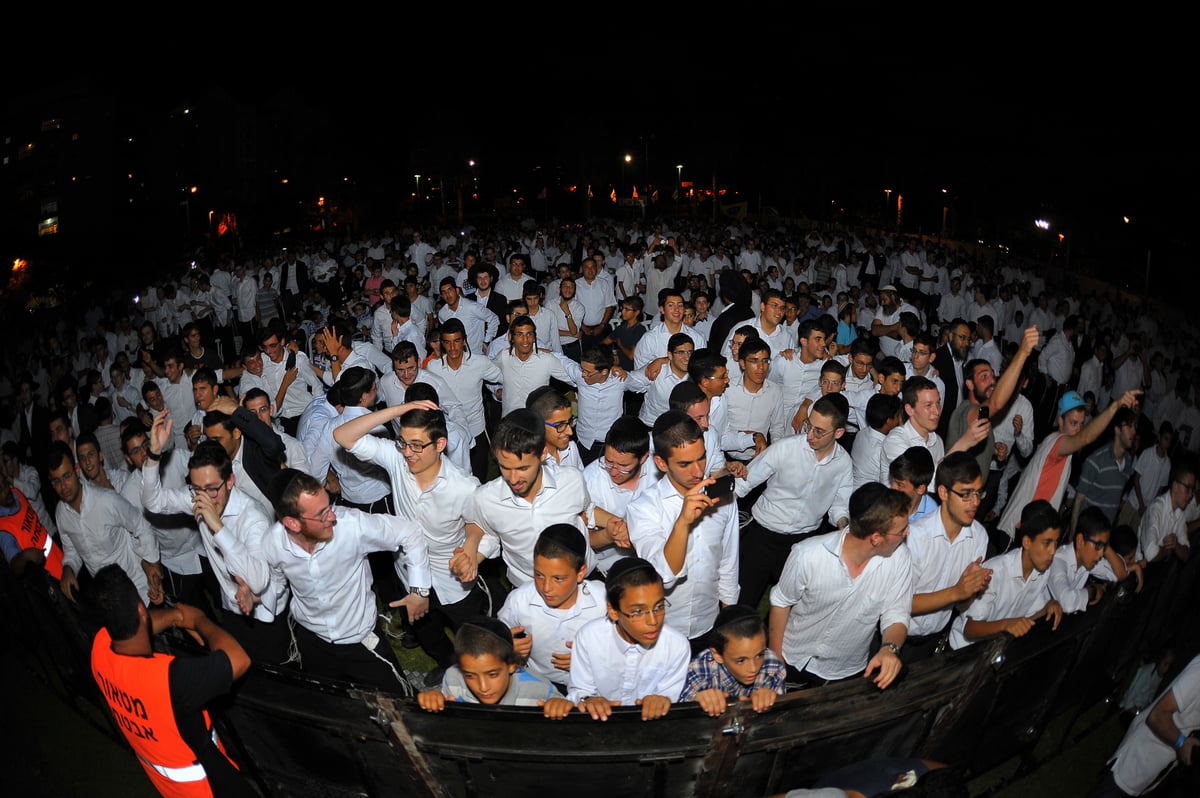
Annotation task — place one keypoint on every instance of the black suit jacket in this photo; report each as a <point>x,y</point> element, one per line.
<point>301,276</point>
<point>34,439</point>
<point>944,363</point>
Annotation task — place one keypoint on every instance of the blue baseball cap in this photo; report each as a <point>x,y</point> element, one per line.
<point>1070,400</point>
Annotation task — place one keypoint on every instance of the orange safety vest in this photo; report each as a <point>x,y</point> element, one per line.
<point>138,693</point>
<point>26,527</point>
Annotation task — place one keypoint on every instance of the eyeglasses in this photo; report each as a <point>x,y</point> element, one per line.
<point>561,426</point>
<point>320,517</point>
<point>683,352</point>
<point>1101,546</point>
<point>415,448</point>
<point>612,469</point>
<point>1189,489</point>
<point>587,375</point>
<point>831,383</point>
<point>969,495</point>
<point>213,492</point>
<point>65,478</point>
<point>816,433</point>
<point>658,609</point>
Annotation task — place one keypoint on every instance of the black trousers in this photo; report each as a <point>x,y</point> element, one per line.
<point>371,662</point>
<point>431,629</point>
<point>761,557</point>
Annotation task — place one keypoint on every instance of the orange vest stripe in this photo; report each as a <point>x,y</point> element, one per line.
<point>26,527</point>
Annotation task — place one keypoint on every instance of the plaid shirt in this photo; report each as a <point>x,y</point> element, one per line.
<point>705,673</point>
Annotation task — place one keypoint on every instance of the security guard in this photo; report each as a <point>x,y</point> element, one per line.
<point>157,699</point>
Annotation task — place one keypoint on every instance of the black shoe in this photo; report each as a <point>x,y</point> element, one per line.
<point>409,640</point>
<point>433,679</point>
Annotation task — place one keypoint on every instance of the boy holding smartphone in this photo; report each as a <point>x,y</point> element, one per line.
<point>689,537</point>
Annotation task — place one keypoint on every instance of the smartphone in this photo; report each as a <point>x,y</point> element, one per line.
<point>721,488</point>
<point>291,361</point>
<point>984,412</point>
<point>520,635</point>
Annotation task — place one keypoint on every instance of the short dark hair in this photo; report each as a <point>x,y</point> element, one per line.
<point>914,465</point>
<point>956,468</point>
<point>684,395</point>
<point>562,542</point>
<point>57,453</point>
<point>255,393</point>
<point>353,383</point>
<point>872,508</point>
<point>673,429</point>
<point>890,365</point>
<point>211,453</point>
<point>834,405</point>
<point>1093,521</point>
<point>403,350</point>
<point>1036,518</point>
<point>521,432</point>
<point>880,408</point>
<point>288,486</point>
<point>735,622</point>
<point>913,387</point>
<point>628,435</point>
<point>483,636</point>
<point>625,573</point>
<point>545,400</point>
<point>116,599</point>
<point>704,363</point>
<point>752,346</point>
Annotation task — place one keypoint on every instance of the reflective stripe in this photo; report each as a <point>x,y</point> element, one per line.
<point>189,773</point>
<point>48,546</point>
<point>194,772</point>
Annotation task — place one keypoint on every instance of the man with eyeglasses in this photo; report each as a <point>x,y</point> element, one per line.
<point>431,490</point>
<point>1163,532</point>
<point>690,538</point>
<point>1090,555</point>
<point>658,395</point>
<point>807,478</point>
<point>232,526</point>
<point>406,372</point>
<point>613,480</point>
<point>755,406</point>
<point>947,548</point>
<point>559,420</point>
<point>769,324</point>
<point>323,551</point>
<point>837,589</point>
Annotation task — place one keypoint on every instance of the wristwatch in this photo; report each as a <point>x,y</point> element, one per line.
<point>334,358</point>
<point>423,592</point>
<point>895,648</point>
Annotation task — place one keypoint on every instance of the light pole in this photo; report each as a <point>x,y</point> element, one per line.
<point>887,205</point>
<point>417,190</point>
<point>678,186</point>
<point>627,160</point>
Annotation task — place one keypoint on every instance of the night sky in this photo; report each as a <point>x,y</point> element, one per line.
<point>1012,136</point>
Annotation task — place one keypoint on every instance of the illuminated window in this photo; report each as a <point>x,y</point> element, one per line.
<point>51,124</point>
<point>48,227</point>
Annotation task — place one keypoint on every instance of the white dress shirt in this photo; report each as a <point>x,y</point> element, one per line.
<point>1009,595</point>
<point>1161,519</point>
<point>903,438</point>
<point>512,524</point>
<point>234,550</point>
<point>521,377</point>
<point>709,574</point>
<point>832,616</point>
<point>604,664</point>
<point>106,530</point>
<point>438,509</point>
<point>551,629</point>
<point>331,587</point>
<point>602,403</point>
<point>938,563</point>
<point>800,490</point>
<point>467,384</point>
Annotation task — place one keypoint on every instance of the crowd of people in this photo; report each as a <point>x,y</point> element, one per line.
<point>581,467</point>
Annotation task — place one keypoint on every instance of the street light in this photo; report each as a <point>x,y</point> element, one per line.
<point>417,191</point>
<point>627,160</point>
<point>887,205</point>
